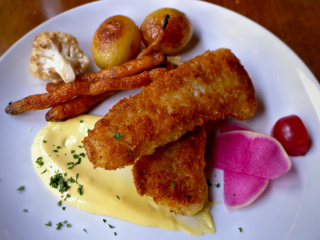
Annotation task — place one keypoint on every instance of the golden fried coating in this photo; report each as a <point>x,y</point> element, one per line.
<point>173,175</point>
<point>211,86</point>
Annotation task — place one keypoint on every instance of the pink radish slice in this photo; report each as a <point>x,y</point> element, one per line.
<point>249,152</point>
<point>229,126</point>
<point>240,190</point>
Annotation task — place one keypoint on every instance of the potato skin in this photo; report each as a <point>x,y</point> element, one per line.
<point>177,33</point>
<point>117,40</point>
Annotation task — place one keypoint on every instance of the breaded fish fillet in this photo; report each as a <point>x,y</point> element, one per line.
<point>174,174</point>
<point>211,86</point>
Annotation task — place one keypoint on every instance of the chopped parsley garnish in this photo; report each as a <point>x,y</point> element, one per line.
<point>73,151</point>
<point>39,161</point>
<point>75,156</point>
<point>110,226</point>
<point>117,136</point>
<point>21,188</point>
<point>69,225</point>
<point>44,171</point>
<point>118,197</point>
<point>81,121</point>
<point>104,220</point>
<point>44,141</point>
<point>74,163</point>
<point>80,146</point>
<point>58,147</point>
<point>57,181</point>
<point>217,185</point>
<point>63,208</point>
<point>85,230</point>
<point>82,154</point>
<point>25,210</point>
<point>115,233</point>
<point>59,225</point>
<point>55,150</point>
<point>173,184</point>
<point>49,224</point>
<point>67,196</point>
<point>59,203</point>
<point>80,189</point>
<point>240,229</point>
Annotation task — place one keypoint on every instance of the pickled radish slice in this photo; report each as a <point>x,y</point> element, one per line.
<point>240,190</point>
<point>249,152</point>
<point>230,126</point>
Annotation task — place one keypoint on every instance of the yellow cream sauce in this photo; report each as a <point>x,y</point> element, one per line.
<point>110,193</point>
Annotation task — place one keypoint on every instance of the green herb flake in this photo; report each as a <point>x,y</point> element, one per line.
<point>55,150</point>
<point>80,189</point>
<point>118,197</point>
<point>82,154</point>
<point>104,220</point>
<point>59,203</point>
<point>49,224</point>
<point>81,121</point>
<point>74,163</point>
<point>63,208</point>
<point>217,185</point>
<point>59,225</point>
<point>117,136</point>
<point>240,229</point>
<point>67,196</point>
<point>25,210</point>
<point>21,188</point>
<point>43,171</point>
<point>173,184</point>
<point>58,147</point>
<point>80,146</point>
<point>39,161</point>
<point>57,181</point>
<point>69,225</point>
<point>85,230</point>
<point>73,151</point>
<point>44,141</point>
<point>115,233</point>
<point>110,226</point>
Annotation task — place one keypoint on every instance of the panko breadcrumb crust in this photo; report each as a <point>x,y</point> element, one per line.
<point>213,85</point>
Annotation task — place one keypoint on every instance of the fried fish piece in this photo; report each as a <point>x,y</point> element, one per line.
<point>211,86</point>
<point>174,174</point>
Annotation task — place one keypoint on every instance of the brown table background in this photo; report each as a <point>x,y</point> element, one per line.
<point>295,22</point>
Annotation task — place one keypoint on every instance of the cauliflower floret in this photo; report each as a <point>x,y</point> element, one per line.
<point>56,56</point>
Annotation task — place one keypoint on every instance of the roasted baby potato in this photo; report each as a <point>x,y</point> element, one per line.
<point>117,40</point>
<point>177,34</point>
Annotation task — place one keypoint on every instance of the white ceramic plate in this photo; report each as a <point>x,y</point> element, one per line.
<point>288,209</point>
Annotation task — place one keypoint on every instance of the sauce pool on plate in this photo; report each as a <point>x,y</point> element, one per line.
<point>61,162</point>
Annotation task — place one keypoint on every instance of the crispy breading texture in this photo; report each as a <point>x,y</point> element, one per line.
<point>211,86</point>
<point>174,174</point>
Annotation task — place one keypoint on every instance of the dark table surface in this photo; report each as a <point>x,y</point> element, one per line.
<point>295,22</point>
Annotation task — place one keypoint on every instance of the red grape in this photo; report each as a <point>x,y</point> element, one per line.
<point>292,134</point>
